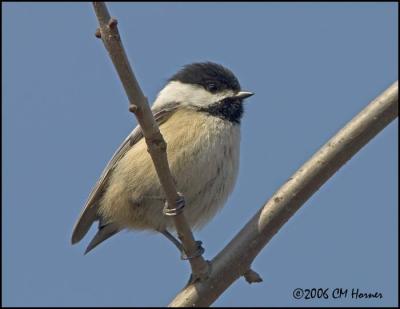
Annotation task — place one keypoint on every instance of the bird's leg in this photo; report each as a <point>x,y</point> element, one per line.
<point>175,241</point>
<point>180,204</point>
<point>179,245</point>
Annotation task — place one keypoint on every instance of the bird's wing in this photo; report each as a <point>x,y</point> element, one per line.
<point>89,212</point>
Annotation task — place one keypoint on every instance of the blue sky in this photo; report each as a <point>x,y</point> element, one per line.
<point>313,66</point>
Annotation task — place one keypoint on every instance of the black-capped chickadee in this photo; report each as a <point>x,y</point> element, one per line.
<point>198,112</point>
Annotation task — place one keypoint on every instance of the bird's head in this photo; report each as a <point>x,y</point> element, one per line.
<point>207,87</point>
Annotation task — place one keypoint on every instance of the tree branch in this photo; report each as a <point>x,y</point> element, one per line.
<point>109,34</point>
<point>236,258</point>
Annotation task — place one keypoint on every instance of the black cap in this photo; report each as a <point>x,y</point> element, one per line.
<point>211,76</point>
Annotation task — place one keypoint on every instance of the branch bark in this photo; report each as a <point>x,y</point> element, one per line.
<point>236,258</point>
<point>156,144</point>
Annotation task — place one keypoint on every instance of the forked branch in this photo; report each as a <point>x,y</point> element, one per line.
<point>236,258</point>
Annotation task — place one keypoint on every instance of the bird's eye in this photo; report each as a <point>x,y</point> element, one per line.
<point>211,87</point>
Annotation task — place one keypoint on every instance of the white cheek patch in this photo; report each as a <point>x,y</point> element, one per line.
<point>188,95</point>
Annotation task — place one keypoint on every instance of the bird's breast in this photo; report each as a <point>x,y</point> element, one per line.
<point>203,153</point>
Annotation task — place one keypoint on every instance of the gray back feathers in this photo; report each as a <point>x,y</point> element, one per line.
<point>89,213</point>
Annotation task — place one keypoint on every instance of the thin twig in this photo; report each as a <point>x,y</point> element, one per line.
<point>109,34</point>
<point>236,258</point>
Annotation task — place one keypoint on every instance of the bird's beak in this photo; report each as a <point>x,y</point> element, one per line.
<point>243,95</point>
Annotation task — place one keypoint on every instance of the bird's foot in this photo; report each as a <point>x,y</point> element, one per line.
<point>178,244</point>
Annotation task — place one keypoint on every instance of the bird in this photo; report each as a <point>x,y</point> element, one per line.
<point>199,112</point>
